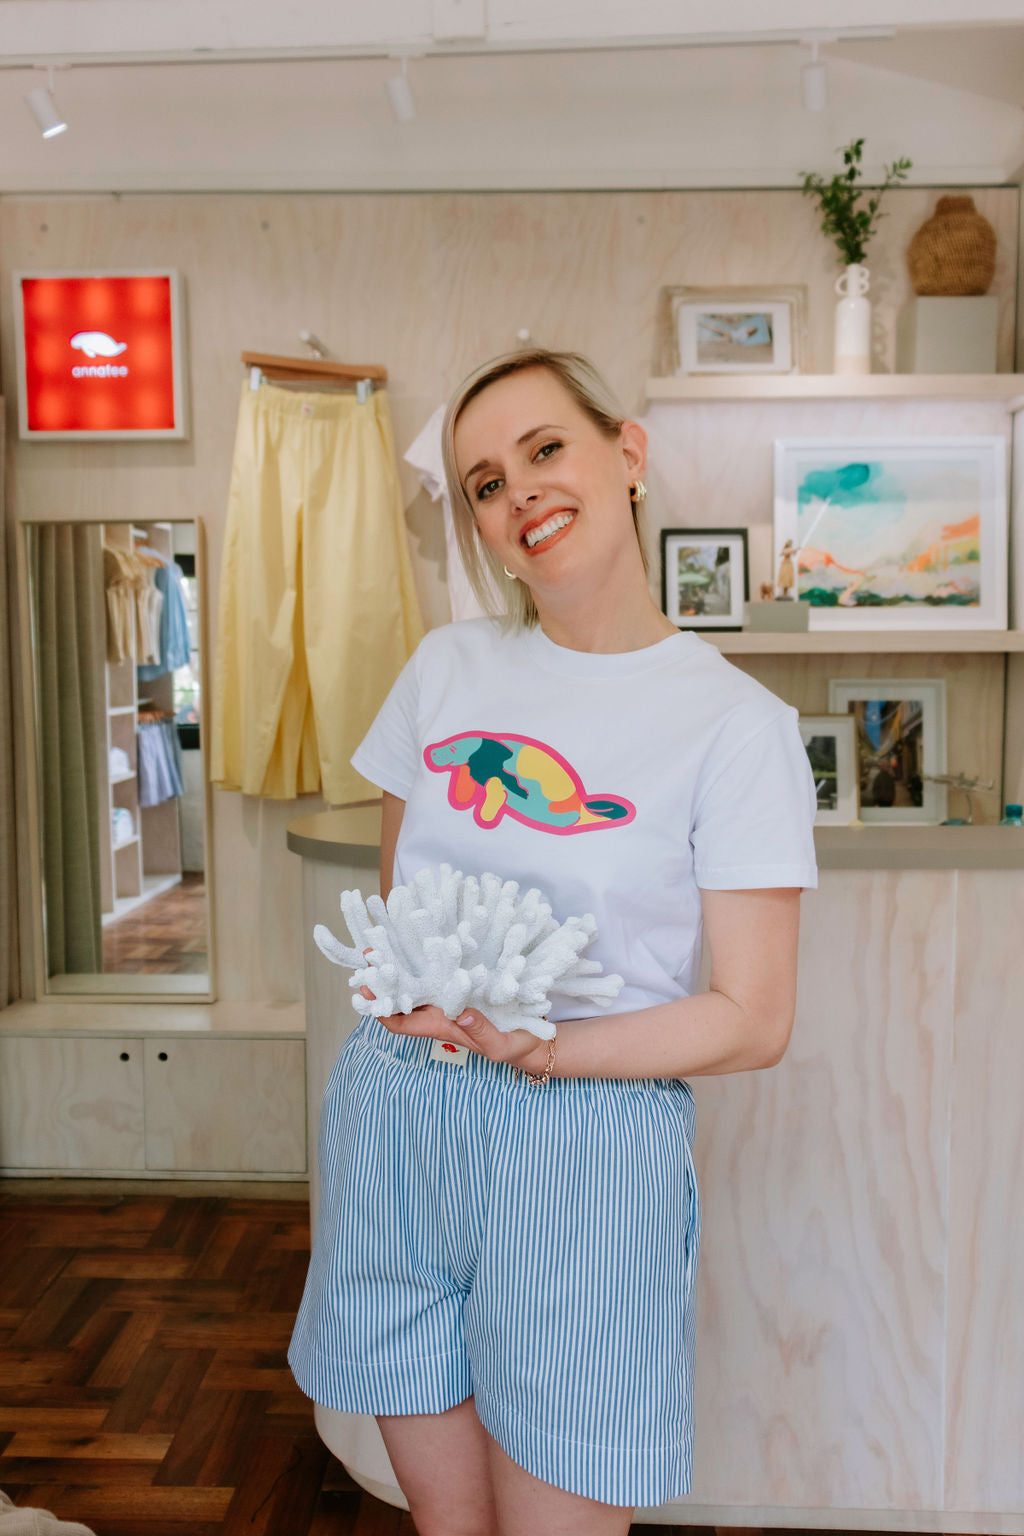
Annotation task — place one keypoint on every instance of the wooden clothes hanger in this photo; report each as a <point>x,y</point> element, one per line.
<point>267,365</point>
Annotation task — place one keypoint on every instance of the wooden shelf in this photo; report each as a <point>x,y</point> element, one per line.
<point>908,847</point>
<point>748,642</point>
<point>1007,388</point>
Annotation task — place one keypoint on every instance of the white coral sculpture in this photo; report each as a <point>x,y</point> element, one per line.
<point>458,942</point>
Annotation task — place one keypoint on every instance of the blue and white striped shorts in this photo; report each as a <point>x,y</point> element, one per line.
<point>534,1247</point>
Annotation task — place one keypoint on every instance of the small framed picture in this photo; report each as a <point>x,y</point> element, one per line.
<point>704,577</point>
<point>831,743</point>
<point>900,726</point>
<point>732,330</point>
<point>893,533</point>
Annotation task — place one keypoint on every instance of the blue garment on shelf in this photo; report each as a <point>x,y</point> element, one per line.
<point>175,645</point>
<point>159,765</point>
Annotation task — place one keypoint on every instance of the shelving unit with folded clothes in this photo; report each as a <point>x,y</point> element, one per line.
<point>143,841</point>
<point>160,824</point>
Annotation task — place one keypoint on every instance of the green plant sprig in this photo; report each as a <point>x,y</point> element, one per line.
<point>842,220</point>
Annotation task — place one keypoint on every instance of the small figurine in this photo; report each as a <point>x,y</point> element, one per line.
<point>767,592</point>
<point>787,575</point>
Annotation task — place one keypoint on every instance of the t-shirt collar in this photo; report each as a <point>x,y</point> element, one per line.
<point>559,658</point>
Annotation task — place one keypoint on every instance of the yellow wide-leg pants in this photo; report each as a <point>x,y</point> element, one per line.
<point>317,611</point>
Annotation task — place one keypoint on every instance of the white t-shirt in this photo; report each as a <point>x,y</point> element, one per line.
<point>618,784</point>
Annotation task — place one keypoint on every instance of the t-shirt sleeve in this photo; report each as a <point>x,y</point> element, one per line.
<point>753,825</point>
<point>388,754</point>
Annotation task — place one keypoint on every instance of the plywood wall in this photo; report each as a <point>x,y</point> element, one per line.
<point>430,285</point>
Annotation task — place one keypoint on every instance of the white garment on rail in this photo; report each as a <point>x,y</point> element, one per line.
<point>424,454</point>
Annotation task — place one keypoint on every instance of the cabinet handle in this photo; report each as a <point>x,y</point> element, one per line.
<point>161,1056</point>
<point>125,1056</point>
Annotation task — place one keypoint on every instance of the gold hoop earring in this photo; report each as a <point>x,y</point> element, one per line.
<point>510,574</point>
<point>637,491</point>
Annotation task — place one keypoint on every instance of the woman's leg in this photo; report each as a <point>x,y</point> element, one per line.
<point>442,1465</point>
<point>527,1506</point>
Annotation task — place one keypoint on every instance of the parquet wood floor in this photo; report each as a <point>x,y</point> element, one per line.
<point>143,1382</point>
<point>164,936</point>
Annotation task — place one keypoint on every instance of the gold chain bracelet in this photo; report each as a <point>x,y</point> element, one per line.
<point>536,1079</point>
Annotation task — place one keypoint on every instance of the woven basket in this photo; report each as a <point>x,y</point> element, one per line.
<point>954,252</point>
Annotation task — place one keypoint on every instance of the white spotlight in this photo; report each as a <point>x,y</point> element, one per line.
<point>42,107</point>
<point>814,82</point>
<point>402,104</point>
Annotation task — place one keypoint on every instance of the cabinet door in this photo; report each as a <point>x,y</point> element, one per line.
<point>70,1103</point>
<point>225,1106</point>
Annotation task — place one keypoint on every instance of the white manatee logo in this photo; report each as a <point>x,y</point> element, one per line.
<point>97,344</point>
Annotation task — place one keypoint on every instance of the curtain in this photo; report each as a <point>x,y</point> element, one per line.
<point>69,620</point>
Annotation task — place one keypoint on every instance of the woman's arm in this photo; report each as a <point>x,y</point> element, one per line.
<point>743,1022</point>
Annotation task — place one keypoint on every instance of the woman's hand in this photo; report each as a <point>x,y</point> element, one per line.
<point>473,1030</point>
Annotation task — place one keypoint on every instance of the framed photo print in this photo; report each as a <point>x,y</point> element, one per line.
<point>100,355</point>
<point>831,744</point>
<point>900,728</point>
<point>893,533</point>
<point>732,330</point>
<point>704,577</point>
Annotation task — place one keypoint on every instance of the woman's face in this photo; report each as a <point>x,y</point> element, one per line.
<point>550,493</point>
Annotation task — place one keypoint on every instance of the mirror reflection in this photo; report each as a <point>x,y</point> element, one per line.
<point>115,638</point>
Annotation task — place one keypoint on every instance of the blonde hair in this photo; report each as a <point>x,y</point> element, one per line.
<point>484,571</point>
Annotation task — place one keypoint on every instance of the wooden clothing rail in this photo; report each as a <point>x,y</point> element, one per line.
<point>274,367</point>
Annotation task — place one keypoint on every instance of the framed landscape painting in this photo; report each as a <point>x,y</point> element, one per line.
<point>895,533</point>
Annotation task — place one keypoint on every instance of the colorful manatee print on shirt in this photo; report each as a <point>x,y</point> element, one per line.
<point>517,776</point>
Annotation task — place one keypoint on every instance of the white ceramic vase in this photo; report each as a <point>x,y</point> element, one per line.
<point>853,321</point>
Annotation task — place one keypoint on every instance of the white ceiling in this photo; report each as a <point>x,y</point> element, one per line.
<point>146,115</point>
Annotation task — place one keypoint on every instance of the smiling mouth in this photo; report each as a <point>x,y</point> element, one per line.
<point>543,533</point>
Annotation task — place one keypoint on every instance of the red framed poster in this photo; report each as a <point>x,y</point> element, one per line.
<point>99,354</point>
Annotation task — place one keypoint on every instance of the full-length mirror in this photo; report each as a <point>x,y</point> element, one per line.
<point>114,611</point>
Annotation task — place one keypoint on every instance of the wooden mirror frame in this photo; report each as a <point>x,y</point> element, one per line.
<point>100,986</point>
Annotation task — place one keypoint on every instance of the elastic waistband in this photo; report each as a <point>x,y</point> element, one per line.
<point>315,404</point>
<point>414,1052</point>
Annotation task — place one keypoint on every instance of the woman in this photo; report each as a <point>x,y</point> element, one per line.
<point>506,1253</point>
